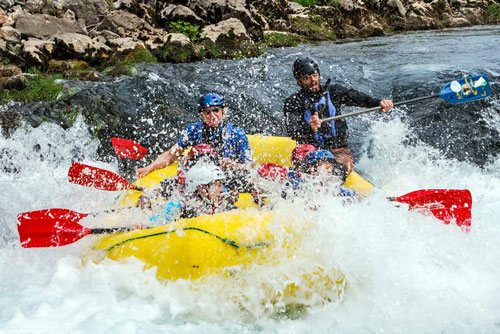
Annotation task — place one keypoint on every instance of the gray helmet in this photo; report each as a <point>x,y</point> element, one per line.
<point>304,66</point>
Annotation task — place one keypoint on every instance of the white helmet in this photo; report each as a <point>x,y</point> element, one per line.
<point>202,173</point>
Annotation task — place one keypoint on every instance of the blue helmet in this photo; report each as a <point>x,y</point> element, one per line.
<point>210,100</point>
<point>314,157</point>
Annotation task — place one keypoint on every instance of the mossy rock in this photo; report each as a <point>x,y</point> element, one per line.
<point>62,66</point>
<point>87,75</point>
<point>278,40</point>
<point>120,64</point>
<point>237,49</point>
<point>175,53</point>
<point>312,27</point>
<point>117,71</point>
<point>140,55</point>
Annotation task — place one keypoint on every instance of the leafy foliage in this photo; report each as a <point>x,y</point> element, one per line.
<point>306,3</point>
<point>492,13</point>
<point>185,28</point>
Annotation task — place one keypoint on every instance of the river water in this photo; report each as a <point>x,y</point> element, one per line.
<point>406,272</point>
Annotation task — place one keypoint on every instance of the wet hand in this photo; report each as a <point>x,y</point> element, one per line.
<point>386,105</point>
<point>141,172</point>
<point>315,122</point>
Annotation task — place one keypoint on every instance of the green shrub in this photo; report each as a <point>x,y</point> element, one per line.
<point>177,54</point>
<point>306,3</point>
<point>185,28</point>
<point>40,88</point>
<point>492,13</point>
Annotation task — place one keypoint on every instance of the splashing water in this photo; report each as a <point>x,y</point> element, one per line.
<point>405,272</point>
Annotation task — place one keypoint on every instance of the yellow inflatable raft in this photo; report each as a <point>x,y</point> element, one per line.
<point>244,238</point>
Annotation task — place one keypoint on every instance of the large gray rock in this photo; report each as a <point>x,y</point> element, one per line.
<point>98,50</point>
<point>454,22</point>
<point>124,45</point>
<point>72,45</point>
<point>131,6</point>
<point>349,5</point>
<point>156,40</point>
<point>474,15</point>
<point>295,8</point>
<point>421,8</point>
<point>37,51</point>
<point>33,6</point>
<point>259,18</point>
<point>55,4</point>
<point>397,6</point>
<point>219,10</point>
<point>7,4</point>
<point>108,35</point>
<point>228,34</point>
<point>142,10</point>
<point>419,22</point>
<point>179,12</point>
<point>179,49</point>
<point>10,34</point>
<point>9,71</point>
<point>92,11</point>
<point>124,23</point>
<point>44,26</point>
<point>178,39</point>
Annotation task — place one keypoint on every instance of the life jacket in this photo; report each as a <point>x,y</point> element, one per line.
<point>226,136</point>
<point>324,101</point>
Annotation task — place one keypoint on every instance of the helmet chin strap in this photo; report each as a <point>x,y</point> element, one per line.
<point>324,89</point>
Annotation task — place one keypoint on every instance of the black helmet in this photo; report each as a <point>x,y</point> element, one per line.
<point>304,66</point>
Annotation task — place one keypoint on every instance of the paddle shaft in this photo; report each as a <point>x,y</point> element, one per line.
<point>377,108</point>
<point>110,230</point>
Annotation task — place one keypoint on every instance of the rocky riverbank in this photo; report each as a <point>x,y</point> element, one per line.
<point>107,35</point>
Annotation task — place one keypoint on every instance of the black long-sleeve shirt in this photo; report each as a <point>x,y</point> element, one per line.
<point>300,130</point>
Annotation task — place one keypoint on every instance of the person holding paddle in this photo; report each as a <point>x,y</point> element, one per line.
<point>304,110</point>
<point>230,141</point>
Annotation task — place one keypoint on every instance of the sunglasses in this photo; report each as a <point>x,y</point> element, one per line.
<point>313,74</point>
<point>208,111</point>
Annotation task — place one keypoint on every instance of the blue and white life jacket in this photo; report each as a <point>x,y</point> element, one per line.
<point>226,137</point>
<point>319,106</point>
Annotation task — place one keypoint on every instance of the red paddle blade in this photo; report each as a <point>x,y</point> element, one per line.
<point>98,178</point>
<point>50,228</point>
<point>128,149</point>
<point>448,205</point>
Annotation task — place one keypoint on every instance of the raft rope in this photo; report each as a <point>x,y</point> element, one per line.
<point>224,240</point>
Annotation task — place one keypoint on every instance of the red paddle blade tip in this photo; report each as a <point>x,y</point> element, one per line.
<point>50,228</point>
<point>98,178</point>
<point>448,205</point>
<point>128,149</point>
